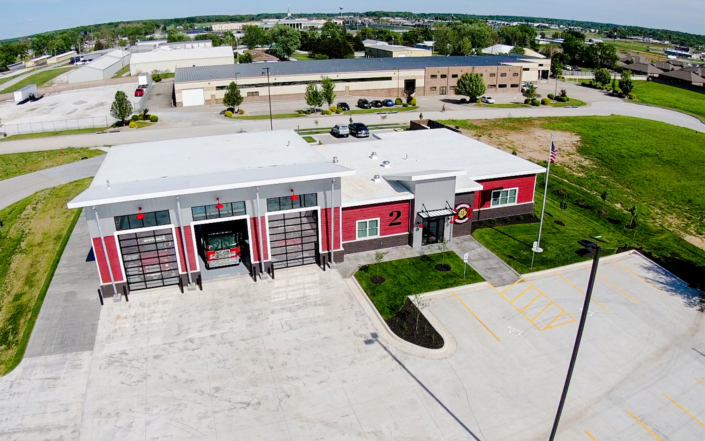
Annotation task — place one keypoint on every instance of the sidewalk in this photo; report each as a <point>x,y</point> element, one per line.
<point>482,260</point>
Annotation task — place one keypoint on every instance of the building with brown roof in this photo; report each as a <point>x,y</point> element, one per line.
<point>644,69</point>
<point>683,77</point>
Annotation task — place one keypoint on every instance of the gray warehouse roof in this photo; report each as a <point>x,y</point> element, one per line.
<point>227,71</point>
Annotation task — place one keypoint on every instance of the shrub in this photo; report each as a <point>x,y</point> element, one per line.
<point>478,101</point>
<point>405,105</point>
<point>156,78</point>
<point>338,110</point>
<point>153,118</point>
<point>535,102</point>
<point>413,101</point>
<point>300,112</point>
<point>133,124</point>
<point>398,102</point>
<point>135,118</point>
<point>546,101</point>
<point>326,112</point>
<point>334,109</point>
<point>463,100</point>
<point>564,93</point>
<point>241,112</point>
<point>527,101</point>
<point>228,113</point>
<point>551,96</point>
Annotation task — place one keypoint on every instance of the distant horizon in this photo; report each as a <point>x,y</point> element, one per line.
<point>53,11</point>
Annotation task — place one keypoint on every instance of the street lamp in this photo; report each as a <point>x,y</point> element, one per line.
<point>590,249</point>
<point>269,95</point>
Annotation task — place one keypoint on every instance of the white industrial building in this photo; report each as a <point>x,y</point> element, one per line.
<point>61,57</point>
<point>103,68</point>
<point>169,60</point>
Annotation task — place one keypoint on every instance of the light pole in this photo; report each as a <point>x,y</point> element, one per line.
<point>590,249</point>
<point>269,95</point>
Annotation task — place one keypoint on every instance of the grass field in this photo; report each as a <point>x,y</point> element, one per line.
<point>572,102</point>
<point>6,79</point>
<point>48,134</point>
<point>122,71</point>
<point>412,276</point>
<point>309,139</point>
<point>274,116</point>
<point>301,57</point>
<point>39,78</point>
<point>34,233</point>
<point>670,97</point>
<point>381,109</point>
<point>15,164</point>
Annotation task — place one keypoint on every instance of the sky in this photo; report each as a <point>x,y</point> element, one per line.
<point>25,17</point>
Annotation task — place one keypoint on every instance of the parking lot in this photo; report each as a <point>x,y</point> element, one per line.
<point>296,358</point>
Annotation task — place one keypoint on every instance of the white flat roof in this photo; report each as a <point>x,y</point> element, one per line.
<point>420,154</point>
<point>194,165</point>
<point>182,54</point>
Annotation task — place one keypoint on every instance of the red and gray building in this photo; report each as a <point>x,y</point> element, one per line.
<point>153,208</point>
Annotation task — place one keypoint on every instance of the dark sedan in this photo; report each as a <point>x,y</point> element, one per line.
<point>388,103</point>
<point>343,106</point>
<point>363,104</point>
<point>359,130</point>
<point>377,103</point>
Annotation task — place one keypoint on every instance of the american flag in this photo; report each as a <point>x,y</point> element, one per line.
<point>554,153</point>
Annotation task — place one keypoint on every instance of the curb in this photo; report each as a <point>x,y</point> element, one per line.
<point>552,271</point>
<point>449,346</point>
<point>664,108</point>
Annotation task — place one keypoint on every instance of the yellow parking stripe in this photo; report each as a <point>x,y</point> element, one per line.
<point>510,286</point>
<point>590,435</point>
<point>638,276</point>
<point>521,294</point>
<point>540,294</point>
<point>644,426</point>
<point>681,408</point>
<point>700,381</point>
<point>618,288</point>
<point>524,308</point>
<point>476,317</point>
<point>581,291</point>
<point>537,315</point>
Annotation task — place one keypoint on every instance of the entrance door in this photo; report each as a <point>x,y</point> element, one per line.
<point>444,90</point>
<point>293,238</point>
<point>193,97</point>
<point>433,230</point>
<point>409,86</point>
<point>149,258</point>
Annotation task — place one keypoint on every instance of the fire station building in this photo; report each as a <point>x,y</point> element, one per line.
<point>192,210</point>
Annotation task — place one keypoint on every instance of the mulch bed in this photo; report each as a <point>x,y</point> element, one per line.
<point>404,325</point>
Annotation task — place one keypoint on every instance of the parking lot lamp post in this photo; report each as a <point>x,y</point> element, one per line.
<point>269,95</point>
<point>590,249</point>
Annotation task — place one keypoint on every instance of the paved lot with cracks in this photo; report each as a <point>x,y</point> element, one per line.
<point>295,359</point>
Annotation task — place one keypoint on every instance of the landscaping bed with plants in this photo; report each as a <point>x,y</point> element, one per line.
<point>389,284</point>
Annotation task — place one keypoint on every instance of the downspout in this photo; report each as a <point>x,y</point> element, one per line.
<point>332,222</point>
<point>259,235</point>
<point>183,238</point>
<point>105,252</point>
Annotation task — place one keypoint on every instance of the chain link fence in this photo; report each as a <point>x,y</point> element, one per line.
<point>57,125</point>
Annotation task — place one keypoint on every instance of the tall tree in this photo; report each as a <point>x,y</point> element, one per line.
<point>254,36</point>
<point>328,90</point>
<point>625,83</point>
<point>471,86</point>
<point>121,108</point>
<point>233,97</point>
<point>285,41</point>
<point>602,76</point>
<point>314,97</point>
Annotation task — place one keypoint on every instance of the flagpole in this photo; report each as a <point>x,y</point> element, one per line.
<point>543,207</point>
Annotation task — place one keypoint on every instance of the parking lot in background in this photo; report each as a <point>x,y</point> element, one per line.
<point>640,371</point>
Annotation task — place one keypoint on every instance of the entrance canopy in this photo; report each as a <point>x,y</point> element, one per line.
<point>437,213</point>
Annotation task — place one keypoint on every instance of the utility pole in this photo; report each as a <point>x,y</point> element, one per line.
<point>269,95</point>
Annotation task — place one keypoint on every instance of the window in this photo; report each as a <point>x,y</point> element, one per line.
<point>526,69</point>
<point>454,76</point>
<point>516,74</point>
<point>540,65</point>
<point>504,197</point>
<point>491,86</point>
<point>152,219</point>
<point>492,75</point>
<point>433,89</point>
<point>285,202</point>
<point>221,87</point>
<point>211,212</point>
<point>433,77</point>
<point>252,93</point>
<point>367,228</point>
<point>514,85</point>
<point>444,76</point>
<point>503,74</point>
<point>502,86</point>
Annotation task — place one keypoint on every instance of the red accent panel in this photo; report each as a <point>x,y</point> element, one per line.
<point>192,258</point>
<point>525,184</point>
<point>254,239</point>
<point>386,214</point>
<point>112,255</point>
<point>325,229</point>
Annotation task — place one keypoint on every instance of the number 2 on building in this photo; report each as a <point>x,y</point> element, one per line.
<point>396,214</point>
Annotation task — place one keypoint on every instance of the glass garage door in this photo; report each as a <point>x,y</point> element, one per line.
<point>149,258</point>
<point>293,238</point>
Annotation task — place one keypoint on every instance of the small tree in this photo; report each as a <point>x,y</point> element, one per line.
<point>244,58</point>
<point>233,97</point>
<point>443,244</point>
<point>379,256</point>
<point>602,76</point>
<point>471,86</point>
<point>530,91</point>
<point>421,303</point>
<point>314,97</point>
<point>603,196</point>
<point>564,206</point>
<point>121,108</point>
<point>634,221</point>
<point>328,90</point>
<point>625,84</point>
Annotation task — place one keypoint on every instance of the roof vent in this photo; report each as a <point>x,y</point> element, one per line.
<point>386,164</point>
<point>335,160</point>
<point>373,155</point>
<point>376,178</point>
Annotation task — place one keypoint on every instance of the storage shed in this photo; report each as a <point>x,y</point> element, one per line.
<point>61,57</point>
<point>168,60</point>
<point>103,68</point>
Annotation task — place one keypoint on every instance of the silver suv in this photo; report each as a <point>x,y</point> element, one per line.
<point>339,130</point>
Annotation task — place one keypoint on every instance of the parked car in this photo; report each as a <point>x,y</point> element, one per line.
<point>363,104</point>
<point>343,106</point>
<point>339,130</point>
<point>141,86</point>
<point>488,100</point>
<point>139,92</point>
<point>377,103</point>
<point>388,103</point>
<point>359,130</point>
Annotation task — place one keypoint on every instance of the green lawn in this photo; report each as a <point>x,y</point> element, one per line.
<point>309,139</point>
<point>381,109</point>
<point>15,164</point>
<point>503,106</point>
<point>33,236</point>
<point>39,78</point>
<point>122,71</point>
<point>48,134</point>
<point>411,276</point>
<point>572,103</point>
<point>670,97</point>
<point>301,57</point>
<point>6,79</point>
<point>274,116</point>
